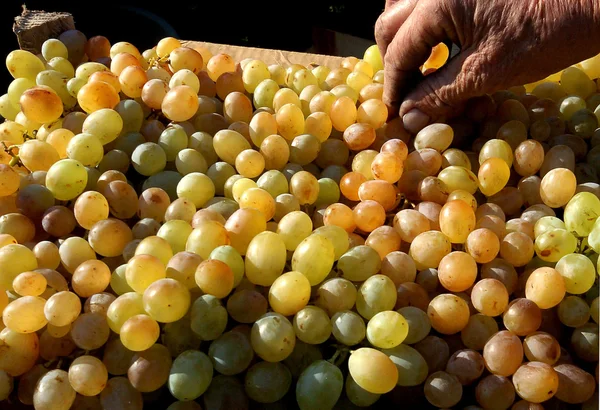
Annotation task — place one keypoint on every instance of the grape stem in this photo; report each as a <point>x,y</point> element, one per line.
<point>339,356</point>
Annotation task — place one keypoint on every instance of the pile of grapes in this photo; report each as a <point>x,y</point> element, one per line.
<point>182,231</point>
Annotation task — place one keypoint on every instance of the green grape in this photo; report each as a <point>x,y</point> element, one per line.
<point>148,159</point>
<point>85,148</point>
<point>25,314</point>
<point>267,382</point>
<point>412,367</point>
<point>595,309</point>
<point>231,353</point>
<point>319,386</point>
<point>373,370</point>
<point>294,228</point>
<point>456,177</point>
<point>176,233</point>
<point>196,187</point>
<point>233,259</point>
<point>206,237</point>
<point>53,391</point>
<point>578,273</point>
<point>594,236</point>
<point>274,182</point>
<point>554,244</point>
<point>573,311</point>
<point>314,257</point>
<point>125,306</point>
<point>263,268</point>
<point>359,396</point>
<point>23,64</point>
<point>190,376</point>
<point>273,337</point>
<point>14,260</point>
<point>264,93</point>
<point>172,140</point>
<point>208,317</point>
<point>302,356</point>
<point>329,192</point>
<point>348,327</point>
<point>418,324</point>
<point>581,212</point>
<point>312,325</point>
<point>166,300</point>
<point>338,238</point>
<point>336,295</point>
<point>104,124</point>
<point>358,263</point>
<point>376,294</point>
<point>387,329</point>
<point>547,223</point>
<point>66,179</point>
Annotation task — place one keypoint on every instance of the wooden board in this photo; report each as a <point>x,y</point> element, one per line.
<point>269,56</point>
<point>33,27</point>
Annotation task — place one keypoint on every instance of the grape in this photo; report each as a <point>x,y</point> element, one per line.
<point>581,212</point>
<point>87,375</point>
<point>262,268</point>
<point>119,394</point>
<point>359,396</point>
<point>267,382</point>
<point>29,284</point>
<point>25,315</point>
<point>312,325</point>
<point>208,317</point>
<point>66,179</point>
<point>373,370</point>
<point>546,287</point>
<point>314,257</point>
<point>53,391</point>
<point>348,327</point>
<point>503,353</point>
<point>574,384</point>
<point>166,300</point>
<point>457,271</point>
<point>231,353</point>
<point>273,337</point>
<point>578,273</point>
<point>232,258</point>
<point>466,365</point>
<point>412,367</point>
<point>289,293</point>
<point>97,303</point>
<point>495,391</point>
<point>457,220</point>
<point>522,317</point>
<point>541,347</point>
<point>319,386</point>
<point>139,332</point>
<point>585,342</point>
<point>443,389</point>
<point>387,329</point>
<point>490,297</point>
<point>150,369</point>
<point>536,382</point>
<point>179,336</point>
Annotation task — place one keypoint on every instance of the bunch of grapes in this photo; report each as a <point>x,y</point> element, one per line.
<point>182,229</point>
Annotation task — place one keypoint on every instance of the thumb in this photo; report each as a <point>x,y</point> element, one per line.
<point>442,94</point>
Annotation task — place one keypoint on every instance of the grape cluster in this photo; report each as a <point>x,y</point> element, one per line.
<point>179,228</point>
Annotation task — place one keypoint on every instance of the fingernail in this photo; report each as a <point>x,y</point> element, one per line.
<point>415,120</point>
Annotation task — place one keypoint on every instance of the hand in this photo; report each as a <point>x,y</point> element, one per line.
<point>503,43</point>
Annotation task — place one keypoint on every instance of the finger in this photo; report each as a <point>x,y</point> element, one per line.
<point>390,21</point>
<point>442,95</point>
<point>410,48</point>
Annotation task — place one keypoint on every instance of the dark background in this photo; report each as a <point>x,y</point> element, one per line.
<point>293,26</point>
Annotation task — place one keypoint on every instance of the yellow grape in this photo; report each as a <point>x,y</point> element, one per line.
<point>373,370</point>
<point>456,177</point>
<point>493,176</point>
<point>343,113</point>
<point>25,314</point>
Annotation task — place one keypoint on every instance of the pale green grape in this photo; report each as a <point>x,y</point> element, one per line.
<point>196,187</point>
<point>105,124</point>
<point>148,158</point>
<point>376,294</point>
<point>267,382</point>
<point>172,140</point>
<point>456,177</point>
<point>581,212</point>
<point>263,268</point>
<point>189,160</point>
<point>264,93</point>
<point>412,367</point>
<point>547,223</point>
<point>229,255</point>
<point>418,324</point>
<point>208,317</point>
<point>85,148</point>
<point>338,237</point>
<point>62,65</point>
<point>231,353</point>
<point>312,325</point>
<point>359,396</point>
<point>348,327</point>
<point>54,392</point>
<point>15,259</point>
<point>66,179</point>
<point>178,336</point>
<point>358,263</point>
<point>573,311</point>
<point>319,386</point>
<point>387,329</point>
<point>578,273</point>
<point>166,300</point>
<point>190,376</point>
<point>254,72</point>
<point>294,228</point>
<point>329,192</point>
<point>273,337</point>
<point>25,314</point>
<point>274,182</point>
<point>336,295</point>
<point>23,64</point>
<point>594,236</point>
<point>176,233</point>
<point>314,257</point>
<point>122,308</point>
<point>554,244</point>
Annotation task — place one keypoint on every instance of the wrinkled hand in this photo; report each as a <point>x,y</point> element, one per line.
<point>503,43</point>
